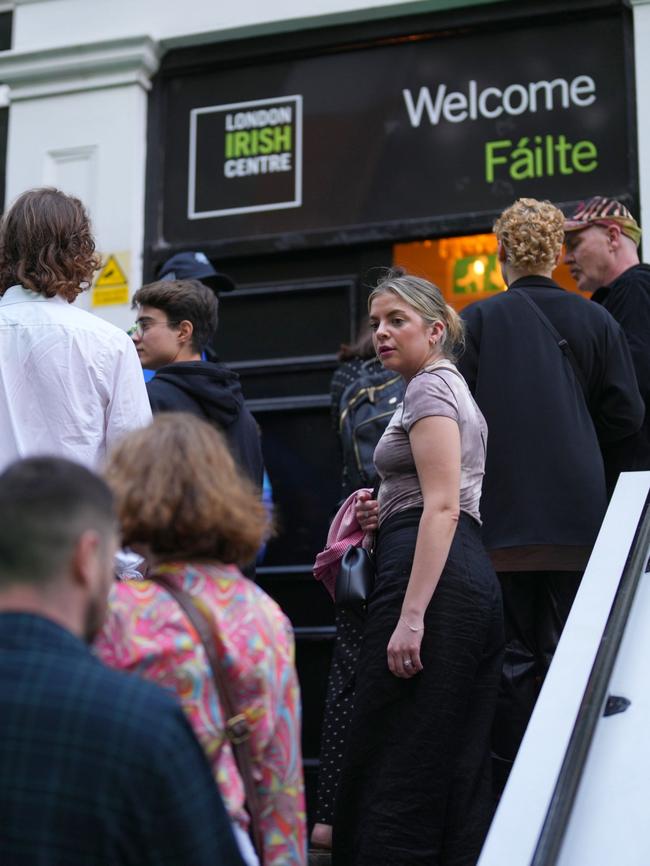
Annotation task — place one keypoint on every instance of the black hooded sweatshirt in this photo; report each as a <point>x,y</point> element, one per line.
<point>213,392</point>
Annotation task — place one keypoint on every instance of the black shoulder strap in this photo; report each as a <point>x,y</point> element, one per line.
<point>561,342</point>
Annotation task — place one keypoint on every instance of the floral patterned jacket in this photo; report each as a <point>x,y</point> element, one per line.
<point>147,633</point>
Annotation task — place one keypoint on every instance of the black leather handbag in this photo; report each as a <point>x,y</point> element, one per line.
<point>355,580</point>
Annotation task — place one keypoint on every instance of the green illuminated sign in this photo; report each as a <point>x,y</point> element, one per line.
<point>477,274</point>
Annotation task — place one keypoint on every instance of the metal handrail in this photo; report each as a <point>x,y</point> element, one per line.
<point>595,696</point>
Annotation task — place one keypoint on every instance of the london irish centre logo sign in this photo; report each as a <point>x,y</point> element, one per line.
<point>245,157</point>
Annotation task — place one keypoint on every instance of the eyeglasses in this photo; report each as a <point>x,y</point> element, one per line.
<point>141,328</point>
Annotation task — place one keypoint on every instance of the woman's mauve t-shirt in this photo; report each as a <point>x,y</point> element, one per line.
<point>437,390</point>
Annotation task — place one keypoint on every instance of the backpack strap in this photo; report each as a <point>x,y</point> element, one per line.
<point>562,344</point>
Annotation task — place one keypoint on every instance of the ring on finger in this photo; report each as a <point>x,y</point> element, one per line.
<point>407,663</point>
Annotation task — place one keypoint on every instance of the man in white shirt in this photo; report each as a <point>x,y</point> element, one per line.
<point>70,383</point>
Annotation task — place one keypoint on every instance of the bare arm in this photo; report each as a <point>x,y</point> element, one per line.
<point>435,443</point>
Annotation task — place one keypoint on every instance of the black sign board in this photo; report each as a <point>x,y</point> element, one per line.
<point>415,131</point>
<point>245,157</point>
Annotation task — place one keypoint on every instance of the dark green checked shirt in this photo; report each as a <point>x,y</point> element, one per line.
<point>97,768</point>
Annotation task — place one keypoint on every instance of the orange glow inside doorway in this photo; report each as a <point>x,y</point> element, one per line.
<point>465,268</point>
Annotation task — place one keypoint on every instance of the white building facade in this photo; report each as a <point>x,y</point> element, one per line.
<point>80,72</point>
<point>78,76</point>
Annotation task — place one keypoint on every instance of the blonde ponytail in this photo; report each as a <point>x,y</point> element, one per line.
<point>427,301</point>
<point>453,343</point>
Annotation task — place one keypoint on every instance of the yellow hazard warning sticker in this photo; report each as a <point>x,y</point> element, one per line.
<point>111,286</point>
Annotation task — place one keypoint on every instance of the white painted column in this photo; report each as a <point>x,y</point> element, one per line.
<point>78,121</point>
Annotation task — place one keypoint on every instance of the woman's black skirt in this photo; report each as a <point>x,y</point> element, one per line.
<point>415,785</point>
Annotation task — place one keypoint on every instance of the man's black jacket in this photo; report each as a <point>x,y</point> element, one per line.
<point>627,298</point>
<point>545,482</point>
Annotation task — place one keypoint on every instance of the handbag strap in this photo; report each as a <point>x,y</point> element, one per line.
<point>236,725</point>
<point>559,339</point>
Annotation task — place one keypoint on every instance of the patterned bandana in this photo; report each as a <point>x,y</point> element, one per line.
<point>603,211</point>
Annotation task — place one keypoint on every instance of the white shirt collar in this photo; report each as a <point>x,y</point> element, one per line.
<point>19,294</point>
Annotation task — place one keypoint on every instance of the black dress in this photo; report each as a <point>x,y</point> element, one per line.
<point>415,785</point>
<point>338,709</point>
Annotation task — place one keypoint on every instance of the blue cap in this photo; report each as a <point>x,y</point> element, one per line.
<point>195,266</point>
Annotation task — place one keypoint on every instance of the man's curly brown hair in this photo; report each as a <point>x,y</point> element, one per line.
<point>532,233</point>
<point>46,244</point>
<point>178,491</point>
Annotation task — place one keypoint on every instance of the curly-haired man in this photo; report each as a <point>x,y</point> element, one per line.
<point>553,375</point>
<point>71,383</point>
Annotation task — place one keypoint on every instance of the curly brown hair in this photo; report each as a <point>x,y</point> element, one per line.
<point>532,233</point>
<point>46,244</point>
<point>177,490</point>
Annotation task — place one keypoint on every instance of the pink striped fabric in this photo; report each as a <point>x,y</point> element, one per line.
<point>343,532</point>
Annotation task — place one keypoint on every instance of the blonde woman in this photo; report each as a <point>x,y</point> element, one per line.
<point>415,785</point>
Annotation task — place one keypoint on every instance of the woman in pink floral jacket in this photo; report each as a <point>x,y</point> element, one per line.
<point>182,503</point>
